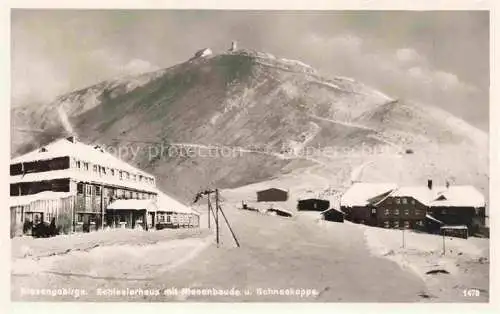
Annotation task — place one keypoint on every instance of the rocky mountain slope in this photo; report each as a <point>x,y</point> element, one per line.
<point>274,117</point>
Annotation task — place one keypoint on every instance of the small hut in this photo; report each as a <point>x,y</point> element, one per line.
<point>272,195</point>
<point>333,214</point>
<point>313,204</point>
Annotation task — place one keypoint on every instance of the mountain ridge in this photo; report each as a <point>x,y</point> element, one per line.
<point>253,99</point>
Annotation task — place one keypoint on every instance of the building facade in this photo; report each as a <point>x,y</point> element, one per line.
<point>72,184</point>
<point>272,195</point>
<point>414,207</point>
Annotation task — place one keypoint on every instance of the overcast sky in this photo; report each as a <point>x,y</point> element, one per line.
<point>439,58</point>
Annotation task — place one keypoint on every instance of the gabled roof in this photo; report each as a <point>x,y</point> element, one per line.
<point>46,195</point>
<point>458,196</point>
<point>90,153</point>
<point>360,193</point>
<point>332,209</point>
<point>272,189</point>
<point>167,203</point>
<point>452,196</point>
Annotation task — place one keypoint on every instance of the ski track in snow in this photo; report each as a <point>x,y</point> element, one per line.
<point>251,151</point>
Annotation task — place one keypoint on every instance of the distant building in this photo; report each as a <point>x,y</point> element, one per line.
<point>173,214</point>
<point>416,207</point>
<point>333,214</point>
<point>75,184</point>
<point>313,204</point>
<point>203,53</point>
<point>272,195</point>
<point>234,46</point>
<point>358,201</point>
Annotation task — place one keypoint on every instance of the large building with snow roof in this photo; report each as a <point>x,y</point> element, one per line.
<point>74,184</point>
<point>411,207</point>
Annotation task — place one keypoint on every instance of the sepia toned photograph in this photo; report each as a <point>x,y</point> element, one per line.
<point>249,156</point>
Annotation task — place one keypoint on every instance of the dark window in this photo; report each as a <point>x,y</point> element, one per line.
<point>94,168</point>
<point>121,175</point>
<point>16,169</point>
<point>78,164</point>
<point>60,185</point>
<point>89,189</point>
<point>86,166</point>
<point>14,189</point>
<point>98,190</point>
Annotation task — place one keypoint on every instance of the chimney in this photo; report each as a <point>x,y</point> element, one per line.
<point>72,139</point>
<point>429,184</point>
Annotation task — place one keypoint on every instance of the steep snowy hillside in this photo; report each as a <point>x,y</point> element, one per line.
<point>276,117</point>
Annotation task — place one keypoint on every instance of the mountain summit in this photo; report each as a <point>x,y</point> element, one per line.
<point>272,116</point>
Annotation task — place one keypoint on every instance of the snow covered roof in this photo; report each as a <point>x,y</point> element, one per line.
<point>360,193</point>
<point>455,227</point>
<point>421,193</point>
<point>458,196</point>
<point>280,210</point>
<point>133,204</point>
<point>433,219</point>
<point>83,176</point>
<point>167,203</point>
<point>330,209</point>
<point>452,196</point>
<point>46,195</point>
<point>89,153</point>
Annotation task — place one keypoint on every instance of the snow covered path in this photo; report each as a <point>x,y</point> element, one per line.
<point>333,259</point>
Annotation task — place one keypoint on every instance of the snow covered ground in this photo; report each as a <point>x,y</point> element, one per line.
<point>465,260</point>
<point>337,262</point>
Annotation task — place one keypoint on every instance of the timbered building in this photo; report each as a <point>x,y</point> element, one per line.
<point>73,184</point>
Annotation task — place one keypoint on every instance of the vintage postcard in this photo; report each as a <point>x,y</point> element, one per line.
<point>332,156</point>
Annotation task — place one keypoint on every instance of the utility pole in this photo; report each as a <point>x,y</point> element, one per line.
<point>208,210</point>
<point>403,237</point>
<point>444,245</point>
<point>217,215</point>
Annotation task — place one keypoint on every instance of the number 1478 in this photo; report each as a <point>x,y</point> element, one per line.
<point>471,292</point>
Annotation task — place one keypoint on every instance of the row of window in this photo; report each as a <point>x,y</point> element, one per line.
<point>107,171</point>
<point>402,200</point>
<point>396,224</point>
<point>89,190</point>
<point>168,218</point>
<point>406,212</point>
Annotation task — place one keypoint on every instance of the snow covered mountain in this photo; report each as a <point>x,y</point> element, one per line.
<point>275,117</point>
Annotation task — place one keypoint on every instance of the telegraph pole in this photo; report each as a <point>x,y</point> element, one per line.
<point>208,210</point>
<point>403,237</point>
<point>444,245</point>
<point>217,215</point>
